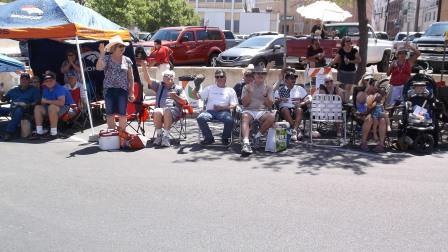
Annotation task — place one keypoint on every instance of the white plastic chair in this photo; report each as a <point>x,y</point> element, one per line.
<point>327,108</point>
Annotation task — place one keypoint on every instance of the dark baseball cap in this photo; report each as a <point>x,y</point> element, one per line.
<point>49,76</point>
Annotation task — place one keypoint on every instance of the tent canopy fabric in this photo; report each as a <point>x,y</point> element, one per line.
<point>325,11</point>
<point>8,64</point>
<point>56,19</point>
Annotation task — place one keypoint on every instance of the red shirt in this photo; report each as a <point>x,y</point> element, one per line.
<point>400,75</point>
<point>161,55</point>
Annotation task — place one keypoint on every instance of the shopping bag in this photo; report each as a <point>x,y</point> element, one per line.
<point>276,139</point>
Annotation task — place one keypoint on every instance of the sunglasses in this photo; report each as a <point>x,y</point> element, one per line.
<point>261,74</point>
<point>291,77</point>
<point>328,81</point>
<point>120,46</point>
<point>168,76</point>
<point>220,77</point>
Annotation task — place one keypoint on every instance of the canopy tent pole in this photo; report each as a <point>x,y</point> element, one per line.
<point>92,136</point>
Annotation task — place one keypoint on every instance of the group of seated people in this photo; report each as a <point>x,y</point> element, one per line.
<point>36,101</point>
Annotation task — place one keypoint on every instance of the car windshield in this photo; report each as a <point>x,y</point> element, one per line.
<point>166,34</point>
<point>142,35</point>
<point>436,30</point>
<point>256,42</point>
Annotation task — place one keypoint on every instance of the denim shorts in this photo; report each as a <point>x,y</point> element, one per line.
<point>116,100</point>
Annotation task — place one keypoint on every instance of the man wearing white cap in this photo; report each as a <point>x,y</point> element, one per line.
<point>169,101</point>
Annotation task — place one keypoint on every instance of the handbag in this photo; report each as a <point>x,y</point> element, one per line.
<point>131,141</point>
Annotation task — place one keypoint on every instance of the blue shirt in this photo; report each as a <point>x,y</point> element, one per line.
<point>29,96</point>
<point>57,91</point>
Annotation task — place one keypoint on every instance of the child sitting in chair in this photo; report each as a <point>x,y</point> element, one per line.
<point>375,103</point>
<point>418,98</point>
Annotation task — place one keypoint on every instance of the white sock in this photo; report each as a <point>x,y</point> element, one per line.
<point>158,132</point>
<point>39,130</point>
<point>246,140</point>
<point>54,131</point>
<point>166,133</point>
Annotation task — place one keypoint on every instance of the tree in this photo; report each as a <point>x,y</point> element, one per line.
<point>147,15</point>
<point>363,37</point>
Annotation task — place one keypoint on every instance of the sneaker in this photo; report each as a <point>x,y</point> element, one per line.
<point>158,140</point>
<point>165,141</point>
<point>207,141</point>
<point>257,142</point>
<point>294,135</point>
<point>246,149</point>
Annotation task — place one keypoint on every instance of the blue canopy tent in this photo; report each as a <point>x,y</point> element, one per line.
<point>8,64</point>
<point>59,20</point>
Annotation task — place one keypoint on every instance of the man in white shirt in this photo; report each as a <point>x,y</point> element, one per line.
<point>292,101</point>
<point>220,100</point>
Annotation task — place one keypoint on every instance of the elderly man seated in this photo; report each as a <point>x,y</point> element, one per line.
<point>22,98</point>
<point>220,101</point>
<point>292,101</point>
<point>257,101</point>
<point>55,102</point>
<point>169,101</point>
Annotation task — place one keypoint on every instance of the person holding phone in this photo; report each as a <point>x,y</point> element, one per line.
<point>118,81</point>
<point>169,101</point>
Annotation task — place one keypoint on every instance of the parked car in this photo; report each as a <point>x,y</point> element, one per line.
<point>144,36</point>
<point>431,46</point>
<point>254,34</point>
<point>190,44</point>
<point>231,39</point>
<point>241,36</point>
<point>257,50</point>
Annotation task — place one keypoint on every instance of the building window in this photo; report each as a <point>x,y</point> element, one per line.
<point>236,26</point>
<point>434,16</point>
<point>228,24</point>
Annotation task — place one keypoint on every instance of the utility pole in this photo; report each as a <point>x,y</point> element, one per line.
<point>417,13</point>
<point>439,11</point>
<point>284,33</point>
<point>387,15</point>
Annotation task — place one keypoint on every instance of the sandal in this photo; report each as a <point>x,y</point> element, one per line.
<point>364,147</point>
<point>379,148</point>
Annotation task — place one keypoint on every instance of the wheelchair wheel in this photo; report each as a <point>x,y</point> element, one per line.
<point>424,143</point>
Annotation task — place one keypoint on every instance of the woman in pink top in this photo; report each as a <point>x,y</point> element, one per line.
<point>400,71</point>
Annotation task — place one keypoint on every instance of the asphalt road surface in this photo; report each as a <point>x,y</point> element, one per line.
<point>67,195</point>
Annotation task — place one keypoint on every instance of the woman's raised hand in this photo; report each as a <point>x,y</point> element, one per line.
<point>101,48</point>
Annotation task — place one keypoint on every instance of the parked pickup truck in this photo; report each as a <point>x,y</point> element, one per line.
<point>431,46</point>
<point>379,51</point>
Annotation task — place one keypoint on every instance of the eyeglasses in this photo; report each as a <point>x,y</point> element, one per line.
<point>120,46</point>
<point>328,81</point>
<point>220,77</point>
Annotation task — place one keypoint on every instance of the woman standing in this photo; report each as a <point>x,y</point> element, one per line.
<point>71,65</point>
<point>401,69</point>
<point>118,80</point>
<point>347,58</point>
